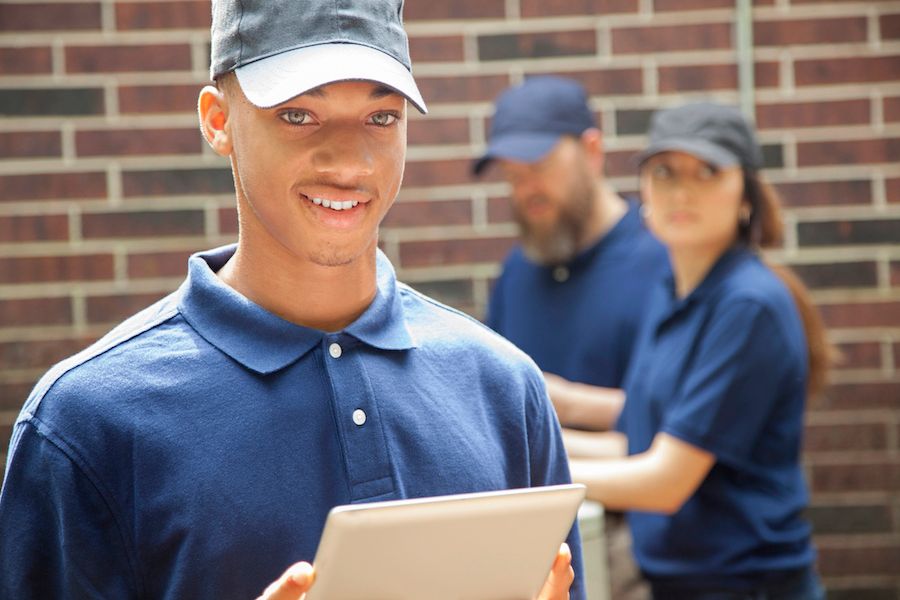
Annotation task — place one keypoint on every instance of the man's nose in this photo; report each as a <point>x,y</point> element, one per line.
<point>344,155</point>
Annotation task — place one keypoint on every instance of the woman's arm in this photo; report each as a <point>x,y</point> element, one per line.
<point>658,480</point>
<point>595,444</point>
<point>582,405</point>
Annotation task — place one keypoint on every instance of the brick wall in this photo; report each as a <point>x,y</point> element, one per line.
<point>106,187</point>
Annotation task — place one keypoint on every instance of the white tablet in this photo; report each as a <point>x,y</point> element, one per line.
<point>484,546</point>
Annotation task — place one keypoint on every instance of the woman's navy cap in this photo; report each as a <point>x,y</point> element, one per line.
<point>530,118</point>
<point>715,133</point>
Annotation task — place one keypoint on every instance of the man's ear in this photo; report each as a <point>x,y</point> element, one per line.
<point>213,109</point>
<point>592,143</point>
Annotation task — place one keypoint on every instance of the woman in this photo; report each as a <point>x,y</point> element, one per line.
<point>716,390</point>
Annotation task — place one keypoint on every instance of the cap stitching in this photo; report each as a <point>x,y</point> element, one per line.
<point>240,37</point>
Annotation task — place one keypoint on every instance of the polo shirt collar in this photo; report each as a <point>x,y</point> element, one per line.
<point>719,271</point>
<point>263,341</point>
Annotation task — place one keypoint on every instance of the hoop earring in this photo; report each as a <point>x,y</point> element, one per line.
<point>745,215</point>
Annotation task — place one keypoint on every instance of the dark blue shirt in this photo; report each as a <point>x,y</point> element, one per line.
<point>724,369</point>
<point>580,320</point>
<point>195,451</point>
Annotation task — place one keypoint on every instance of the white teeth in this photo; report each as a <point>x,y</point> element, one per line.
<point>335,204</point>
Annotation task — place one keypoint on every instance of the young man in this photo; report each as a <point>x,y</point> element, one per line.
<point>572,294</point>
<point>195,450</point>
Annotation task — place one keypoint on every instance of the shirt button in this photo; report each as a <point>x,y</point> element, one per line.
<point>335,350</point>
<point>359,417</point>
<point>561,273</point>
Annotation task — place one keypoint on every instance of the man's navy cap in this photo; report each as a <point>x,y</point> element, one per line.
<point>715,133</point>
<point>530,118</point>
<point>282,48</point>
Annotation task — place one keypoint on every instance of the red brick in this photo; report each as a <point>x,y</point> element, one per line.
<point>134,142</point>
<point>158,98</point>
<point>860,396</point>
<point>228,220</point>
<point>437,172</point>
<point>892,187</point>
<point>428,213</point>
<point>30,144</point>
<point>850,152</point>
<point>860,355</point>
<point>158,264</point>
<point>29,102</point>
<point>25,61</point>
<point>861,314</point>
<point>177,182</point>
<point>34,228</point>
<point>437,48</point>
<point>52,186</point>
<point>49,16</point>
<point>114,309</point>
<point>683,78</point>
<point>454,252</point>
<point>500,210</point>
<point>458,9</point>
<point>24,312</point>
<point>438,131</point>
<point>662,38</point>
<point>895,273</point>
<point>471,88</point>
<point>509,46</point>
<point>39,269</point>
<point>790,115</point>
<point>871,558</point>
<point>12,397</point>
<point>838,274</point>
<point>620,163</point>
<point>832,71</point>
<point>163,15</point>
<point>547,8</point>
<point>819,193</point>
<point>889,25</point>
<point>846,437</point>
<point>122,59</point>
<point>892,109</point>
<point>608,82</point>
<point>38,354</point>
<point>157,223</point>
<point>684,5</point>
<point>810,31</point>
<point>881,476</point>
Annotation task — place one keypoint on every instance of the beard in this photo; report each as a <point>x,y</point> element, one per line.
<point>558,242</point>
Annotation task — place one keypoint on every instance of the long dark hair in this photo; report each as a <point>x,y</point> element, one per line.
<point>765,229</point>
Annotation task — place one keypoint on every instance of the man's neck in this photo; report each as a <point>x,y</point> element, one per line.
<point>321,297</point>
<point>609,208</point>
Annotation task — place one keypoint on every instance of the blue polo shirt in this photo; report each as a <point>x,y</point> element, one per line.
<point>194,452</point>
<point>724,369</point>
<point>580,320</point>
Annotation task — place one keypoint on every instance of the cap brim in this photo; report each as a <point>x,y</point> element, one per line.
<point>523,147</point>
<point>276,79</point>
<point>716,155</point>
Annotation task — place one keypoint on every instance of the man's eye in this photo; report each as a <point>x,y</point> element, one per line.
<point>296,117</point>
<point>661,172</point>
<point>384,119</point>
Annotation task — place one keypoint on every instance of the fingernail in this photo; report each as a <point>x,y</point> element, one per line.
<point>301,573</point>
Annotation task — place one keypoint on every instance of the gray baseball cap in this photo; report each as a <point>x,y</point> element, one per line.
<point>282,48</point>
<point>715,133</point>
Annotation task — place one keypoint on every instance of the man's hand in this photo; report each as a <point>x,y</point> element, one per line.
<point>561,577</point>
<point>295,582</point>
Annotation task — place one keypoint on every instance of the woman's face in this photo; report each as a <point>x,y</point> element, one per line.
<point>693,206</point>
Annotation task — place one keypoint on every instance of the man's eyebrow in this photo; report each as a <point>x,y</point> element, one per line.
<point>380,91</point>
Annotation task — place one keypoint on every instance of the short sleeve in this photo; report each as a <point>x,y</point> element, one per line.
<point>736,377</point>
<point>549,465</point>
<point>59,538</point>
